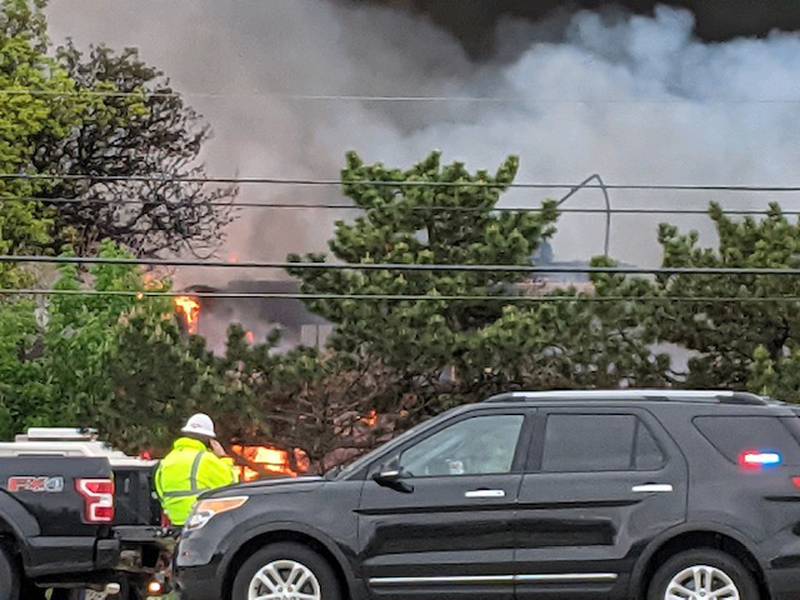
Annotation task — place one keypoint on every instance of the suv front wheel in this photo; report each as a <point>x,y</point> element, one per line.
<point>703,574</point>
<point>286,571</point>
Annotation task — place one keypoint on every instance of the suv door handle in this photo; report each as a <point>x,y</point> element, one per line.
<point>486,494</point>
<point>652,488</point>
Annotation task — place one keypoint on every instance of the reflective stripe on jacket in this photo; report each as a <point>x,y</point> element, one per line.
<point>185,473</point>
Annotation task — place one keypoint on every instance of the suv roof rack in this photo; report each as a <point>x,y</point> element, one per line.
<point>706,396</point>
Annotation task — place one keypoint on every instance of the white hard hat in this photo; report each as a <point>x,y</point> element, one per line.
<point>200,424</point>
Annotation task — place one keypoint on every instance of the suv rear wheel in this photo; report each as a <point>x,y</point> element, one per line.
<point>704,574</point>
<point>286,571</point>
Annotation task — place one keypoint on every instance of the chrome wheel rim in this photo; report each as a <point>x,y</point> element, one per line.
<point>702,582</point>
<point>284,580</point>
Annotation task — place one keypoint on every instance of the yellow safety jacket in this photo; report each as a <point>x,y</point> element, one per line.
<point>185,473</point>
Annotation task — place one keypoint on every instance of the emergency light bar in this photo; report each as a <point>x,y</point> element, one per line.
<point>760,459</point>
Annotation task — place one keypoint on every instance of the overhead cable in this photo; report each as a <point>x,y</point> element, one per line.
<point>353,207</point>
<point>141,295</point>
<point>402,267</point>
<point>387,98</point>
<point>167,178</point>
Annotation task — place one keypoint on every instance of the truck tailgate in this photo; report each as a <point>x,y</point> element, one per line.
<point>46,487</point>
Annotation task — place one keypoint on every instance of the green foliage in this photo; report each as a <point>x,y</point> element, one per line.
<point>451,352</point>
<point>99,114</point>
<point>111,361</point>
<point>121,363</point>
<point>19,379</point>
<point>304,399</point>
<point>451,223</point>
<point>778,378</point>
<point>143,128</point>
<point>86,329</point>
<point>445,353</point>
<point>116,362</point>
<point>724,337</point>
<point>153,366</point>
<point>24,117</point>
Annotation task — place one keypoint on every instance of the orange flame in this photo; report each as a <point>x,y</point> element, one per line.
<point>272,460</point>
<point>371,420</point>
<point>250,337</point>
<point>152,281</point>
<point>190,309</point>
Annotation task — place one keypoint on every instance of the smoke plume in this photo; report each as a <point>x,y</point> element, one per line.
<point>636,99</point>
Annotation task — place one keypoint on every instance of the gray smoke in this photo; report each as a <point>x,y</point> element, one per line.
<point>635,99</point>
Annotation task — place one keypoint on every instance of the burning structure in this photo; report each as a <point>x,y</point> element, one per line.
<point>253,460</point>
<point>211,317</point>
<point>259,462</point>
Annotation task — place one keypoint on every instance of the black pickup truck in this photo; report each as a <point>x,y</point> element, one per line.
<point>74,523</point>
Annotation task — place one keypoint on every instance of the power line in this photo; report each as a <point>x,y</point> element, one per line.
<point>392,297</point>
<point>421,267</point>
<point>353,207</point>
<point>410,98</point>
<point>135,202</point>
<point>166,178</point>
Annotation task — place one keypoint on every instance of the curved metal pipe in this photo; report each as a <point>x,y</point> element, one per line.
<point>604,189</point>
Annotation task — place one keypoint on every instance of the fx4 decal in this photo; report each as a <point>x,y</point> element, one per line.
<point>50,485</point>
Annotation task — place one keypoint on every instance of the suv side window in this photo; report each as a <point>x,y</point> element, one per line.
<point>480,445</point>
<point>599,442</point>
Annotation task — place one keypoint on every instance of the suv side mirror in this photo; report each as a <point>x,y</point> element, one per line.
<point>391,476</point>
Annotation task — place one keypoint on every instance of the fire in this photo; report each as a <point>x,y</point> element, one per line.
<point>371,420</point>
<point>189,307</point>
<point>272,461</point>
<point>250,337</point>
<point>153,281</point>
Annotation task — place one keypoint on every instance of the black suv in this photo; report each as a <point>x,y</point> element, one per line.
<point>566,495</point>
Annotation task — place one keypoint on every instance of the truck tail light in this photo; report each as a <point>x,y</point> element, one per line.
<point>98,499</point>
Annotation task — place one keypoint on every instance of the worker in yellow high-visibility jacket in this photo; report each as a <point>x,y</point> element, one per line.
<point>196,464</point>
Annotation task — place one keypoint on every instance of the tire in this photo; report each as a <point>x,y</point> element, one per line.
<point>322,580</point>
<point>9,577</point>
<point>727,570</point>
